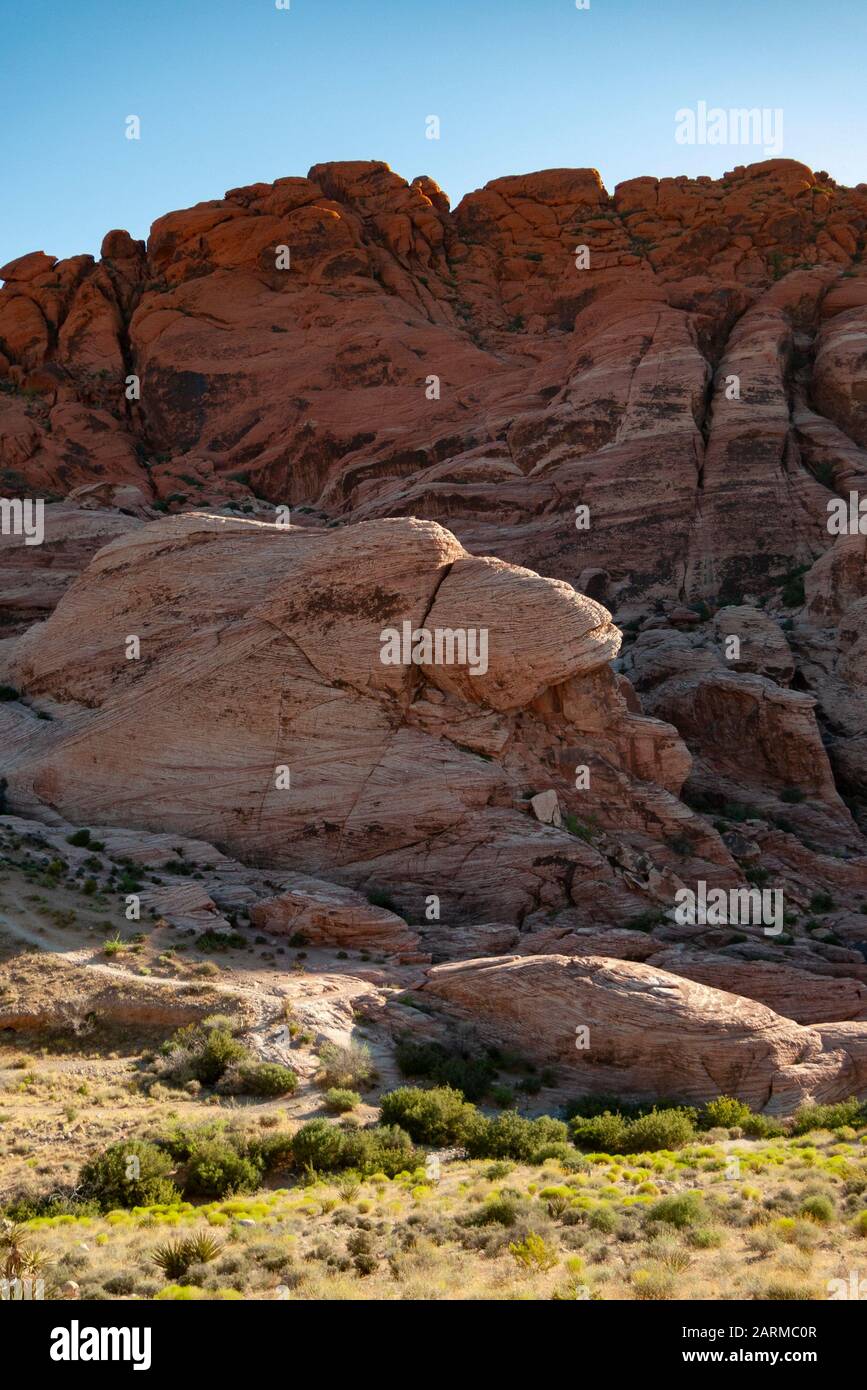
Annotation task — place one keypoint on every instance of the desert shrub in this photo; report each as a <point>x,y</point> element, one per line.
<point>604,1219</point>
<point>818,1208</point>
<point>533,1254</point>
<point>661,1129</point>
<point>272,1151</point>
<point>384,1149</point>
<point>25,1205</point>
<point>326,1147</point>
<point>762,1127</point>
<point>846,1112</point>
<point>318,1144</point>
<point>724,1113</point>
<point>605,1133</point>
<point>681,1209</point>
<point>339,1100</point>
<point>216,1167</point>
<point>705,1238</point>
<point>202,1052</point>
<point>132,1173</point>
<point>261,1079</point>
<point>614,1133</point>
<point>511,1135</point>
<point>347,1066</point>
<point>588,1107</point>
<point>447,1067</point>
<point>440,1116</point>
<point>789,1290</point>
<point>496,1211</point>
<point>654,1282</point>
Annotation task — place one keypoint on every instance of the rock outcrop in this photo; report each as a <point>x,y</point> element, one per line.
<point>624,1029</point>
<point>259,714</point>
<point>493,419</point>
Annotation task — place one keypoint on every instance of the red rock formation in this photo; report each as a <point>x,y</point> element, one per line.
<point>650,396</point>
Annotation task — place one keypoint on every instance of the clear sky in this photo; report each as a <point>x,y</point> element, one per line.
<point>235,91</point>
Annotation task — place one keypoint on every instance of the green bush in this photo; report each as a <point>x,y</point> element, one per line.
<point>132,1173</point>
<point>614,1133</point>
<point>605,1133</point>
<point>380,1149</point>
<point>681,1209</point>
<point>762,1127</point>
<point>216,1167</point>
<point>724,1113</point>
<point>845,1112</point>
<point>338,1100</point>
<point>326,1147</point>
<point>440,1116</point>
<point>272,1151</point>
<point>661,1129</point>
<point>497,1211</point>
<point>511,1135</point>
<point>447,1067</point>
<point>819,1208</point>
<point>318,1144</point>
<point>263,1079</point>
<point>202,1052</point>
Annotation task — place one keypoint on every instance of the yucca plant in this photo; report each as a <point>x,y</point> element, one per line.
<point>348,1186</point>
<point>17,1258</point>
<point>173,1258</point>
<point>203,1248</point>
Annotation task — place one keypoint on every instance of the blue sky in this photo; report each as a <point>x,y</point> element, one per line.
<point>235,91</point>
